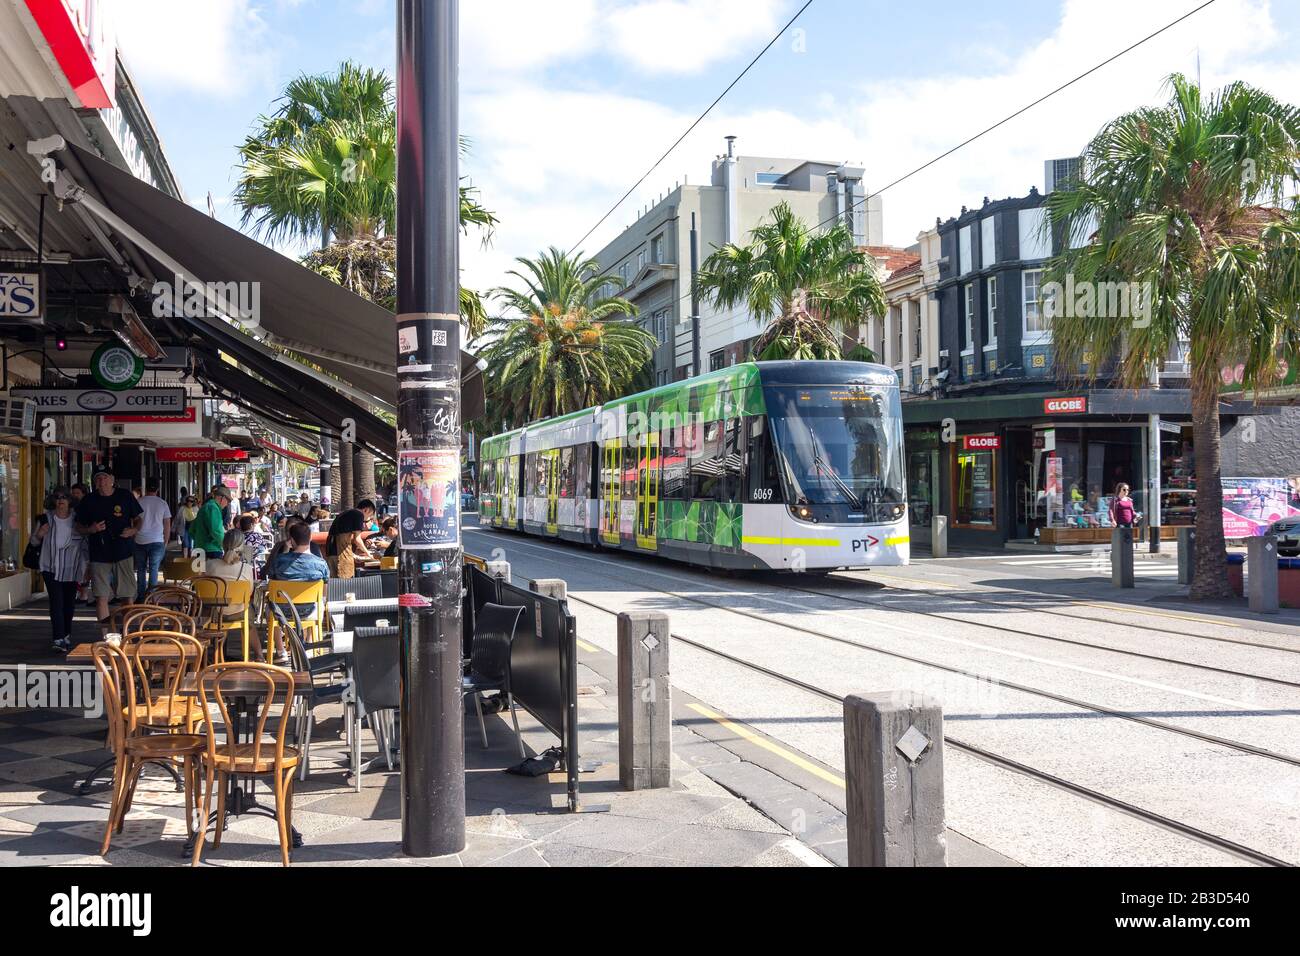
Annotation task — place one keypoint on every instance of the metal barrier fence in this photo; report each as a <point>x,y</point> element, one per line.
<point>543,661</point>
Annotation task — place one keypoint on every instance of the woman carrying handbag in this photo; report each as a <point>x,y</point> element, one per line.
<point>62,562</point>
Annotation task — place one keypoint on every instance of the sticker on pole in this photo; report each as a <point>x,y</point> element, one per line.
<point>428,504</point>
<point>413,600</point>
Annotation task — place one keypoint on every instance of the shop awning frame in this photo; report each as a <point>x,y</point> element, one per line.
<point>298,309</point>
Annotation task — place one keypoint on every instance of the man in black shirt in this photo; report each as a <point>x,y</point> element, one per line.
<point>109,517</point>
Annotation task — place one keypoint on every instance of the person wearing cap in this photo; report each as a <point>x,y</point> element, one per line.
<point>109,517</point>
<point>209,528</point>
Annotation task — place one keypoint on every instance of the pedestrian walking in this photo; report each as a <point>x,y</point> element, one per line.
<point>110,517</point>
<point>63,564</point>
<point>1122,511</point>
<point>151,540</point>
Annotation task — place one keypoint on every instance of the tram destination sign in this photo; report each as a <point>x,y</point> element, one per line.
<point>103,401</point>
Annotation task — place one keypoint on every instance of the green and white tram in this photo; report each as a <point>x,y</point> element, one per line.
<point>767,465</point>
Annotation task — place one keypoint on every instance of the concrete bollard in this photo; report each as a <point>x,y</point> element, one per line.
<point>939,536</point>
<point>550,587</point>
<point>1186,555</point>
<point>1261,573</point>
<point>499,570</point>
<point>645,714</point>
<point>893,770</point>
<point>1121,557</point>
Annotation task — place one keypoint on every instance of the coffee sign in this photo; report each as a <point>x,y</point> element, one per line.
<point>102,401</point>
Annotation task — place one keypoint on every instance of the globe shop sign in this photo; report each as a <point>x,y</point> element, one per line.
<point>101,401</point>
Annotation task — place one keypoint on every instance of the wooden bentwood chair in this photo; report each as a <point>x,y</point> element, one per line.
<point>271,690</point>
<point>131,743</point>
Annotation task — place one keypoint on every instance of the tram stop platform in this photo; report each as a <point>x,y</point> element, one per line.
<point>510,820</point>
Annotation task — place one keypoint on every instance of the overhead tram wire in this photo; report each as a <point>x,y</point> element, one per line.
<point>1022,110</point>
<point>944,155</point>
<point>699,119</point>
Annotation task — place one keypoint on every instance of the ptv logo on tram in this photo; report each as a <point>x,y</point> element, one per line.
<point>865,544</point>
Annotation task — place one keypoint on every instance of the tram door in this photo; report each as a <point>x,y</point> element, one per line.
<point>552,457</point>
<point>510,507</point>
<point>647,491</point>
<point>611,477</point>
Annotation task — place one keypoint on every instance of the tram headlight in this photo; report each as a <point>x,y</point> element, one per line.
<point>897,511</point>
<point>801,511</point>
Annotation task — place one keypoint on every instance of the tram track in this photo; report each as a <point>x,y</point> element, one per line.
<point>1082,617</point>
<point>1005,629</point>
<point>1239,746</point>
<point>1006,763</point>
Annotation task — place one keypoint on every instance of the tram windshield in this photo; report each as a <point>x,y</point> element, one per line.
<point>840,445</point>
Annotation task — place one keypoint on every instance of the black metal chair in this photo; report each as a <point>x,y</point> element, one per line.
<point>363,588</point>
<point>489,661</point>
<point>336,688</point>
<point>376,665</point>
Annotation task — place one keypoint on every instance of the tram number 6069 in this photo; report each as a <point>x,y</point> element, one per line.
<point>762,494</point>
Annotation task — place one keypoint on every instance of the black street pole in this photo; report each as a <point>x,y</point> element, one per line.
<point>428,428</point>
<point>695,301</point>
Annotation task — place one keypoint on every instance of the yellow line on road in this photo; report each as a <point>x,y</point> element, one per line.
<point>767,745</point>
<point>591,648</point>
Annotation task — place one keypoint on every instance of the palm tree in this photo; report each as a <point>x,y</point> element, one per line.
<point>323,169</point>
<point>1189,201</point>
<point>809,287</point>
<point>574,348</point>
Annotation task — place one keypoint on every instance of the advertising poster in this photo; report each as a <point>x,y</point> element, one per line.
<point>1250,505</point>
<point>428,500</point>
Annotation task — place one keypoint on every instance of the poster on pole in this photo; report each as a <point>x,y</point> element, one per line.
<point>428,500</point>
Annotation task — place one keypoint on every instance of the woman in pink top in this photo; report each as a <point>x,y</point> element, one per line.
<point>1121,509</point>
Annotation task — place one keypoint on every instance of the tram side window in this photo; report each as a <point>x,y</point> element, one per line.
<point>582,471</point>
<point>706,463</point>
<point>733,457</point>
<point>631,454</point>
<point>568,480</point>
<point>672,452</point>
<point>764,482</point>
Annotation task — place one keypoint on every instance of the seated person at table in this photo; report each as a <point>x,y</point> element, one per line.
<point>387,538</point>
<point>298,563</point>
<point>233,566</point>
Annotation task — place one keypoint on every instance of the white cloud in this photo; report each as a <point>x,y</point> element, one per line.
<point>547,164</point>
<point>216,47</point>
<point>686,36</point>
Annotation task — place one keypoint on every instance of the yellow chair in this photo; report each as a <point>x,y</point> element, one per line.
<point>210,587</point>
<point>178,569</point>
<point>388,564</point>
<point>296,592</point>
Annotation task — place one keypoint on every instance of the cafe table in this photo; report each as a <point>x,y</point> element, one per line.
<point>337,609</point>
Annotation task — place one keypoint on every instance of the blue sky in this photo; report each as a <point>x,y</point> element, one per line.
<point>567,102</point>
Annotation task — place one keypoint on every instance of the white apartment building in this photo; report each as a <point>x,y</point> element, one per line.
<point>653,255</point>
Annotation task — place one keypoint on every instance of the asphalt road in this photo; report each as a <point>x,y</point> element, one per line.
<point>1153,706</point>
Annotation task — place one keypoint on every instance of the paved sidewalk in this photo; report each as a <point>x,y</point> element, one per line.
<point>511,820</point>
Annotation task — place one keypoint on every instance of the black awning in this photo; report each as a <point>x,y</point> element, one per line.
<point>303,403</point>
<point>334,329</point>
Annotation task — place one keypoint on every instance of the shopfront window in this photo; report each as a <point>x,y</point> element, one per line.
<point>974,491</point>
<point>1078,476</point>
<point>922,485</point>
<point>11,510</point>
